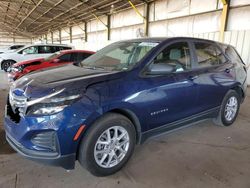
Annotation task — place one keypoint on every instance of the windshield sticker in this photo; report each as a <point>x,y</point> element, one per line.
<point>148,44</point>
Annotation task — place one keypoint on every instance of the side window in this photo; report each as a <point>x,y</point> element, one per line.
<point>30,50</point>
<point>60,48</point>
<point>176,55</point>
<point>44,50</point>
<point>82,56</point>
<point>65,58</point>
<point>54,49</point>
<point>66,48</point>
<point>74,57</point>
<point>221,58</point>
<point>232,54</point>
<point>15,47</point>
<point>208,54</point>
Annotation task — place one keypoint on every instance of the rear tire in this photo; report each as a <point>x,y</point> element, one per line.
<point>229,109</point>
<point>107,145</point>
<point>7,64</point>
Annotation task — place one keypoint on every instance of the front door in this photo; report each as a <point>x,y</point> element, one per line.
<point>172,96</point>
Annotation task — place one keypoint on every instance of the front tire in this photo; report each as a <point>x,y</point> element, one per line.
<point>7,64</point>
<point>107,145</point>
<point>229,109</point>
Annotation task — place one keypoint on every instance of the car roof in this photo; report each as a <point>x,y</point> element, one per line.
<point>162,39</point>
<point>29,45</point>
<point>49,45</point>
<point>77,51</point>
<point>148,39</point>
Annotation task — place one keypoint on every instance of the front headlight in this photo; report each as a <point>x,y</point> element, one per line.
<point>49,110</point>
<point>48,106</point>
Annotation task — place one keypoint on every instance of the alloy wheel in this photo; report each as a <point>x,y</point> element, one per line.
<point>111,147</point>
<point>231,108</point>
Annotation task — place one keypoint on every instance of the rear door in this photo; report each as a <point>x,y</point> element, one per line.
<point>213,74</point>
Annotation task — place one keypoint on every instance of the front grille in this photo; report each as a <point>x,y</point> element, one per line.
<point>14,116</point>
<point>45,140</point>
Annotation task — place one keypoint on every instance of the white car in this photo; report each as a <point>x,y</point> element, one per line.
<point>30,52</point>
<point>11,48</point>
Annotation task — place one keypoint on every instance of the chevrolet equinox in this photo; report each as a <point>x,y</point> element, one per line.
<point>98,111</point>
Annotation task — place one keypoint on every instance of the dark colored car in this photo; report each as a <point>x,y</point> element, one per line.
<point>120,96</point>
<point>57,59</point>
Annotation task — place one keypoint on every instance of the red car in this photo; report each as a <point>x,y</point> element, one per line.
<point>59,58</point>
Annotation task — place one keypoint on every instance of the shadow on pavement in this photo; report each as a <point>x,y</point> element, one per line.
<point>4,146</point>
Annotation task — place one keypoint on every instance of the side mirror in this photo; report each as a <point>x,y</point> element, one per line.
<point>24,53</point>
<point>160,68</point>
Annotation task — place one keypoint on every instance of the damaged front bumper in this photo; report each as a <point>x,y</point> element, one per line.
<point>50,158</point>
<point>47,139</point>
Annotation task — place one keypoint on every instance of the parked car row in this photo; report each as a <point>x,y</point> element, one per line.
<point>97,111</point>
<point>57,59</point>
<point>29,52</point>
<point>11,48</point>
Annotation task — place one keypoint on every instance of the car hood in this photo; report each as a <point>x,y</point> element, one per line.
<point>7,55</point>
<point>28,62</point>
<point>68,78</point>
<point>6,51</point>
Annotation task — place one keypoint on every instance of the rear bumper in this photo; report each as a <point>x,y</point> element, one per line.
<point>50,158</point>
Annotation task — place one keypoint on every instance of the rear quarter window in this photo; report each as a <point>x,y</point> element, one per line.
<point>232,54</point>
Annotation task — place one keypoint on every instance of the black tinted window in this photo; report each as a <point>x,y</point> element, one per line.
<point>65,58</point>
<point>45,50</point>
<point>74,57</point>
<point>15,47</point>
<point>66,48</point>
<point>82,56</point>
<point>54,49</point>
<point>176,55</point>
<point>59,48</point>
<point>209,55</point>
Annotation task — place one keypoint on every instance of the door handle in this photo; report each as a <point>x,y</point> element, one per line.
<point>193,77</point>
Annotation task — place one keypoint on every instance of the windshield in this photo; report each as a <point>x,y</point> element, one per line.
<point>51,57</point>
<point>118,56</point>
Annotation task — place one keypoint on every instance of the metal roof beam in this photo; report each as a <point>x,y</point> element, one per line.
<point>76,6</point>
<point>224,18</point>
<point>32,10</point>
<point>55,5</point>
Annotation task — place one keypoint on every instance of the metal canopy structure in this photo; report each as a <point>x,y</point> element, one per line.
<point>36,17</point>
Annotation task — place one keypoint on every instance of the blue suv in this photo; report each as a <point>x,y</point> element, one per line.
<point>97,111</point>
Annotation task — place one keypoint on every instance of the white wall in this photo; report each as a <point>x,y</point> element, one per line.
<point>6,39</point>
<point>198,18</point>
